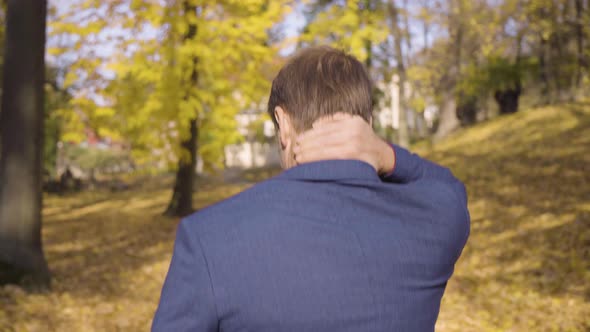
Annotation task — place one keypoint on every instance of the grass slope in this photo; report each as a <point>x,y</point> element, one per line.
<point>527,263</point>
<point>526,266</point>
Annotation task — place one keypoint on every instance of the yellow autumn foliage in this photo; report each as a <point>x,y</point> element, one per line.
<point>143,89</point>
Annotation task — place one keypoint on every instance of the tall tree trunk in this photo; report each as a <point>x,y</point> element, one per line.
<point>423,130</point>
<point>425,32</point>
<point>579,42</point>
<point>21,128</point>
<point>407,34</point>
<point>508,97</point>
<point>557,45</point>
<point>414,132</point>
<point>403,134</point>
<point>368,44</point>
<point>448,120</point>
<point>543,71</point>
<point>181,203</point>
<point>369,59</point>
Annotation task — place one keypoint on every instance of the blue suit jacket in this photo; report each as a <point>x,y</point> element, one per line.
<point>325,246</point>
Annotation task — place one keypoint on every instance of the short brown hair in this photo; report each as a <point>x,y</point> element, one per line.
<point>321,81</point>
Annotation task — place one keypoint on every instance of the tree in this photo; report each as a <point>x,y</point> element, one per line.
<point>181,203</point>
<point>21,128</point>
<point>354,26</point>
<point>580,39</point>
<point>457,18</point>
<point>173,90</point>
<point>212,68</point>
<point>403,135</point>
<point>472,51</point>
<point>557,33</point>
<point>55,99</point>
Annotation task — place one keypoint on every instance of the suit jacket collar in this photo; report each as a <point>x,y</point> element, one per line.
<point>332,170</point>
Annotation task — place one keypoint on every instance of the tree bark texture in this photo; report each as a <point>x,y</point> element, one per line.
<point>403,134</point>
<point>21,130</point>
<point>181,203</point>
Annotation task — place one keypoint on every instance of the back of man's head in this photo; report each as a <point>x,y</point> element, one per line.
<point>318,82</point>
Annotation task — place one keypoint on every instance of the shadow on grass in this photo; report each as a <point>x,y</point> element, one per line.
<point>94,243</point>
<point>529,187</point>
<point>526,262</point>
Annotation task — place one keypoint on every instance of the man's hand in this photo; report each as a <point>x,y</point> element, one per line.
<point>344,136</point>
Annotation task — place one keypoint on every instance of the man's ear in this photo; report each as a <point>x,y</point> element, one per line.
<point>285,128</point>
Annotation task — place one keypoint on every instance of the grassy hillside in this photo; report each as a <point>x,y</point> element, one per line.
<point>526,266</point>
<point>527,263</point>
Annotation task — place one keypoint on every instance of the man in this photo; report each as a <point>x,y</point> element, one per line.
<point>326,245</point>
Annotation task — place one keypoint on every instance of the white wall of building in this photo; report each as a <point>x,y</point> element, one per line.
<point>251,155</point>
<point>389,107</point>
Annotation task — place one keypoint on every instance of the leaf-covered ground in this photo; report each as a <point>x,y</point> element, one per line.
<point>526,266</point>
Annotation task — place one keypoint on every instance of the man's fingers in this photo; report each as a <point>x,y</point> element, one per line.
<point>341,136</point>
<point>322,140</point>
<point>334,152</point>
<point>317,137</point>
<point>325,153</point>
<point>332,119</point>
<point>336,137</point>
<point>326,119</point>
<point>331,147</point>
<point>319,142</point>
<point>341,126</point>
